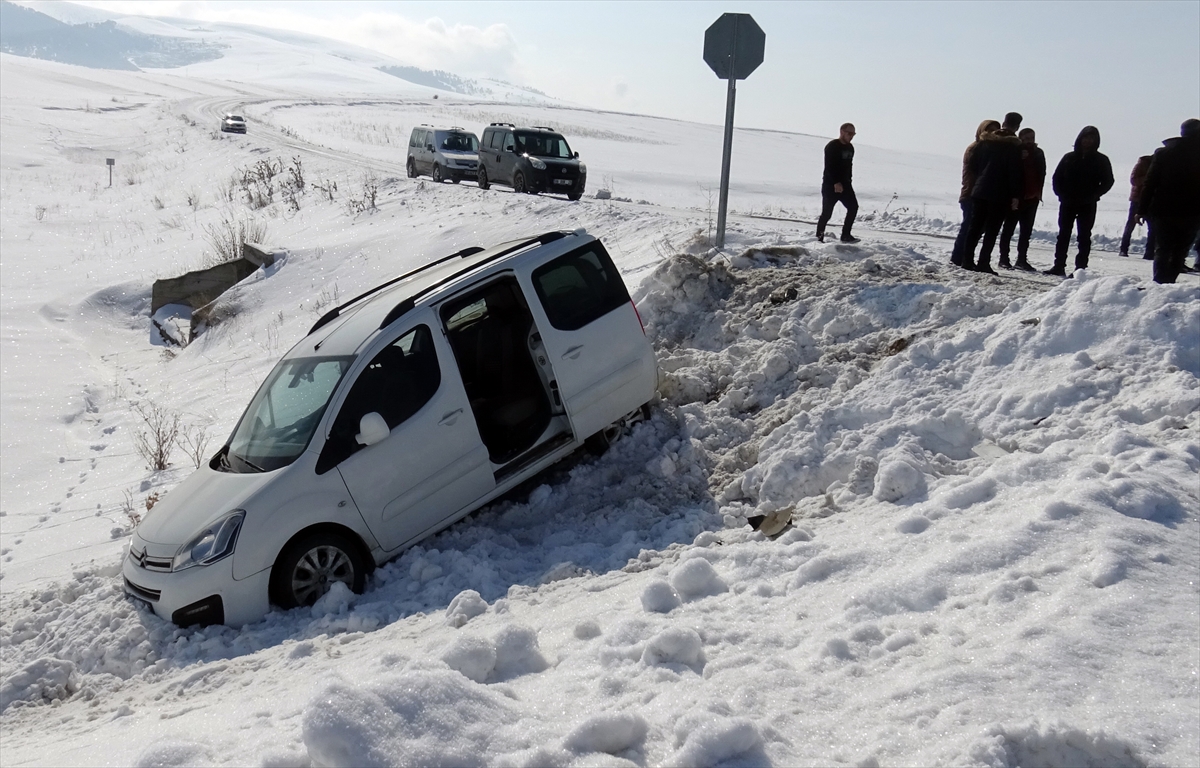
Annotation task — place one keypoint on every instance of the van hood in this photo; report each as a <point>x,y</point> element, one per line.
<point>204,497</point>
<point>457,155</point>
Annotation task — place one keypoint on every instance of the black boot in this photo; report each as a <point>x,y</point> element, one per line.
<point>848,238</point>
<point>1057,270</point>
<point>985,266</point>
<point>1025,265</point>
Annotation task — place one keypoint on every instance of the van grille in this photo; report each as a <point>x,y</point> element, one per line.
<point>140,558</point>
<point>145,593</point>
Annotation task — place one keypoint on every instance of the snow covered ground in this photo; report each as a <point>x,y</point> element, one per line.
<point>994,551</point>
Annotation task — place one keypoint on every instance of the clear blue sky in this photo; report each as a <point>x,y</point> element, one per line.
<point>917,76</point>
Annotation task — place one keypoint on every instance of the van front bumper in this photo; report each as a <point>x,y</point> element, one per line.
<point>206,594</point>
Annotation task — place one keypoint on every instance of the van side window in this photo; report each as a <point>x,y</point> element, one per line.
<point>412,140</point>
<point>396,384</point>
<point>497,139</point>
<point>509,143</point>
<point>579,287</point>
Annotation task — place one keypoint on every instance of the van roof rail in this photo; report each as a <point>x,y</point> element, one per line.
<point>510,125</point>
<point>544,128</point>
<point>407,304</point>
<point>332,314</point>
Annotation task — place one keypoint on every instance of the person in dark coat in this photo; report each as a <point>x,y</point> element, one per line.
<point>968,182</point>
<point>1083,176</point>
<point>996,168</point>
<point>1136,179</point>
<point>1171,201</point>
<point>836,186</point>
<point>1033,180</point>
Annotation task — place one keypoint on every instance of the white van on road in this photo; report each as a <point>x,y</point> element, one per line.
<point>401,412</point>
<point>442,153</point>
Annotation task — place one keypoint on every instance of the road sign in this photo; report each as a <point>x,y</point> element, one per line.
<point>733,47</point>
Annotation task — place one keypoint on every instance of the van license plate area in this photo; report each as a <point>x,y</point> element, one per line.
<point>563,182</point>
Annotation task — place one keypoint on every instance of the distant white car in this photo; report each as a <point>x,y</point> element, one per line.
<point>401,412</point>
<point>233,124</point>
<point>443,153</point>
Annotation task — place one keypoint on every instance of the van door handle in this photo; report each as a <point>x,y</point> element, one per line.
<point>450,418</point>
<point>573,352</point>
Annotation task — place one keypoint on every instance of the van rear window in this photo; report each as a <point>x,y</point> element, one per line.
<point>579,287</point>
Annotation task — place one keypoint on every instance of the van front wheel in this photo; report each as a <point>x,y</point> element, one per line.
<point>411,167</point>
<point>308,567</point>
<point>437,174</point>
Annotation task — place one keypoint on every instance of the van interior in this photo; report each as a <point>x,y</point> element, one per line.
<point>491,332</point>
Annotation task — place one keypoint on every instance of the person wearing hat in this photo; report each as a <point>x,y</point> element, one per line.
<point>1171,200</point>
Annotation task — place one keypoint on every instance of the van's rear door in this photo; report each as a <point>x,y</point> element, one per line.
<point>603,363</point>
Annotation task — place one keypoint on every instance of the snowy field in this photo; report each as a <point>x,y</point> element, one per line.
<point>994,552</point>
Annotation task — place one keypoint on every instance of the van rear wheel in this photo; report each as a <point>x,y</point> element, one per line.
<point>599,443</point>
<point>308,567</point>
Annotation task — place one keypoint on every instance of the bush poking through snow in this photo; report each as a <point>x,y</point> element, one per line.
<point>155,442</point>
<point>195,442</point>
<point>365,201</point>
<point>228,235</point>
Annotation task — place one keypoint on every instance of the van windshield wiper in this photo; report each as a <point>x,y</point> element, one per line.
<point>226,455</point>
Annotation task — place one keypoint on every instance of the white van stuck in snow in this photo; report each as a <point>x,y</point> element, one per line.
<point>400,412</point>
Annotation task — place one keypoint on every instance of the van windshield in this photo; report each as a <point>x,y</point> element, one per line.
<point>543,144</point>
<point>281,419</point>
<point>460,142</point>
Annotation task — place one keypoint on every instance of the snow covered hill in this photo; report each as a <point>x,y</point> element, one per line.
<point>993,554</point>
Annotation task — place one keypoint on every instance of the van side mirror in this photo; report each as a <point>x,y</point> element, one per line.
<point>511,149</point>
<point>429,147</point>
<point>576,155</point>
<point>371,429</point>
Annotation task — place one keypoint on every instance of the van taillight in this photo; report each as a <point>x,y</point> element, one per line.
<point>639,316</point>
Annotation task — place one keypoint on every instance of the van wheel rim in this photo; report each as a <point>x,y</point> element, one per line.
<point>316,572</point>
<point>437,173</point>
<point>519,184</point>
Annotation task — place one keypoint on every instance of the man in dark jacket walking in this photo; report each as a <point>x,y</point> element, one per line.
<point>1083,176</point>
<point>836,184</point>
<point>1033,180</point>
<point>1171,201</point>
<point>996,168</point>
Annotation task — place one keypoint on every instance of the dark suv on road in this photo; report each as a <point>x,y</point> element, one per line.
<point>530,160</point>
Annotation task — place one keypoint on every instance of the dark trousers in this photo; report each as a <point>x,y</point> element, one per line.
<point>986,221</point>
<point>1130,223</point>
<point>1079,216</point>
<point>1024,216</point>
<point>829,198</point>
<point>968,206</point>
<point>1174,237</point>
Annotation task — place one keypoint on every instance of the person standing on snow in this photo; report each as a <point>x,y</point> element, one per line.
<point>1136,179</point>
<point>996,168</point>
<point>1083,176</point>
<point>1033,176</point>
<point>968,182</point>
<point>836,184</point>
<point>1171,201</point>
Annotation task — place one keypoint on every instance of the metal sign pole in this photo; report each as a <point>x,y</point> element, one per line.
<point>727,151</point>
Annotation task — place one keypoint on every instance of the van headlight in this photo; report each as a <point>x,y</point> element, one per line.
<point>536,163</point>
<point>216,542</point>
